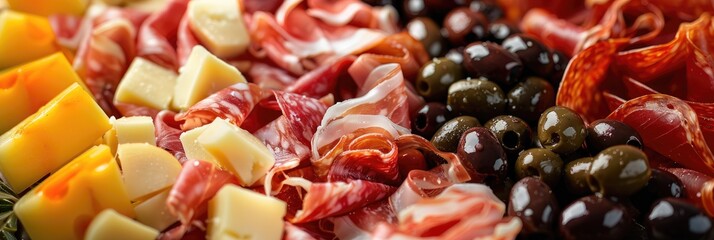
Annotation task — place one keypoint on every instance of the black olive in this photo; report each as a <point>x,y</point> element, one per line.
<point>429,119</point>
<point>435,9</point>
<point>489,60</point>
<point>530,98</point>
<point>463,26</point>
<point>673,218</point>
<point>605,133</point>
<point>619,171</point>
<point>480,98</point>
<point>500,30</point>
<point>533,202</point>
<point>661,184</point>
<point>534,55</point>
<point>436,76</point>
<point>482,155</point>
<point>488,8</point>
<point>541,163</point>
<point>561,130</point>
<point>560,63</point>
<point>429,34</point>
<point>447,137</point>
<point>594,218</point>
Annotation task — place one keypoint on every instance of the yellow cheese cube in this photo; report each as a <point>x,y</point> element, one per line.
<point>24,37</point>
<point>63,205</point>
<point>219,25</point>
<point>154,212</point>
<point>238,213</point>
<point>237,151</point>
<point>146,84</point>
<point>146,169</point>
<point>194,150</point>
<point>110,225</point>
<point>203,75</point>
<point>110,137</point>
<point>65,127</point>
<point>26,88</point>
<point>49,7</point>
<point>137,129</point>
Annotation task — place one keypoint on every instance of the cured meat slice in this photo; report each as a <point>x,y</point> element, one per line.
<point>233,103</point>
<point>167,133</point>
<point>157,36</point>
<point>699,187</point>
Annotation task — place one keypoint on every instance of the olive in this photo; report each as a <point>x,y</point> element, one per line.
<point>456,55</point>
<point>488,8</point>
<point>480,98</point>
<point>378,2</point>
<point>672,218</point>
<point>436,76</point>
<point>513,133</point>
<point>482,155</point>
<point>500,30</point>
<point>605,133</point>
<point>533,54</point>
<point>541,163</point>
<point>528,99</point>
<point>411,159</point>
<point>561,130</point>
<point>560,63</point>
<point>576,175</point>
<point>435,9</point>
<point>661,184</point>
<point>619,171</point>
<point>463,26</point>
<point>535,204</point>
<point>593,217</point>
<point>429,34</point>
<point>447,137</point>
<point>429,119</point>
<point>489,60</point>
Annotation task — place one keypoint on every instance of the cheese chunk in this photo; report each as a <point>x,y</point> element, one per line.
<point>238,213</point>
<point>49,7</point>
<point>203,75</point>
<point>154,212</point>
<point>194,150</point>
<point>219,25</point>
<point>146,84</point>
<point>65,127</point>
<point>24,37</point>
<point>237,151</point>
<point>137,129</point>
<point>146,169</point>
<point>63,205</point>
<point>110,225</point>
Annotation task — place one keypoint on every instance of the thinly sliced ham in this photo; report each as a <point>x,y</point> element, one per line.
<point>233,103</point>
<point>167,132</point>
<point>157,36</point>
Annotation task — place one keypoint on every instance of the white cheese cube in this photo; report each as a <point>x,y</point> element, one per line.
<point>238,213</point>
<point>146,169</point>
<point>110,225</point>
<point>193,149</point>
<point>237,150</point>
<point>137,129</point>
<point>219,25</point>
<point>154,212</point>
<point>148,84</point>
<point>203,75</point>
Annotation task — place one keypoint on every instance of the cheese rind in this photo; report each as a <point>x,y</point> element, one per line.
<point>136,129</point>
<point>24,37</point>
<point>154,212</point>
<point>63,205</point>
<point>43,142</point>
<point>194,150</point>
<point>237,150</point>
<point>110,225</point>
<point>238,213</point>
<point>148,84</point>
<point>146,169</point>
<point>203,75</point>
<point>219,25</point>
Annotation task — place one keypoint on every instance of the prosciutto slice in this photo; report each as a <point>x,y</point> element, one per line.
<point>233,103</point>
<point>157,36</point>
<point>167,133</point>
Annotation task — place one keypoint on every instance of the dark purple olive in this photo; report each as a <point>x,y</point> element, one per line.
<point>488,8</point>
<point>533,202</point>
<point>530,98</point>
<point>447,137</point>
<point>500,30</point>
<point>435,9</point>
<point>429,119</point>
<point>482,155</point>
<point>672,218</point>
<point>662,184</point>
<point>489,60</point>
<point>596,218</point>
<point>605,133</point>
<point>534,55</point>
<point>560,63</point>
<point>429,34</point>
<point>463,26</point>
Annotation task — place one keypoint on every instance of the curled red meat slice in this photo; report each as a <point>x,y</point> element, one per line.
<point>670,127</point>
<point>323,80</point>
<point>371,157</point>
<point>555,32</point>
<point>233,103</point>
<point>167,133</point>
<point>158,33</point>
<point>185,40</point>
<point>699,187</point>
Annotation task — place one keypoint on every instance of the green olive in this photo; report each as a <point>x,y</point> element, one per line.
<point>541,163</point>
<point>436,76</point>
<point>619,171</point>
<point>513,133</point>
<point>480,98</point>
<point>529,98</point>
<point>561,130</point>
<point>576,175</point>
<point>447,137</point>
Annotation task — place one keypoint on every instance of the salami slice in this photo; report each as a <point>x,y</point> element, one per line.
<point>233,103</point>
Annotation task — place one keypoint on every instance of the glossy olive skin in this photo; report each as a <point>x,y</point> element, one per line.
<point>560,63</point>
<point>528,99</point>
<point>435,9</point>
<point>541,163</point>
<point>488,8</point>
<point>463,26</point>
<point>480,98</point>
<point>513,133</point>
<point>662,184</point>
<point>436,76</point>
<point>561,130</point>
<point>429,119</point>
<point>619,171</point>
<point>500,30</point>
<point>605,133</point>
<point>534,203</point>
<point>576,174</point>
<point>596,218</point>
<point>672,218</point>
<point>447,137</point>
<point>429,34</point>
<point>534,55</point>
<point>490,60</point>
<point>482,155</point>
<point>456,55</point>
